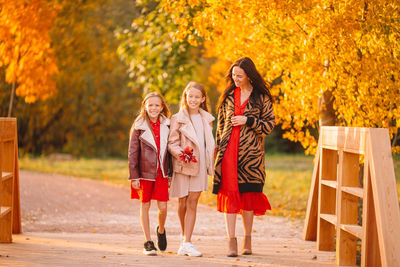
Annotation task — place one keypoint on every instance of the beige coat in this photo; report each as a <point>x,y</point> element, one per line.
<point>182,134</point>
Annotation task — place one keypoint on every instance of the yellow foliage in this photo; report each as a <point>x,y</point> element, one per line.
<point>25,47</point>
<point>349,47</point>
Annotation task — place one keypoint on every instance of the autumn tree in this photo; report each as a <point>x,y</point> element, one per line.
<point>94,103</point>
<point>343,51</point>
<point>91,112</point>
<point>25,50</point>
<point>158,60</point>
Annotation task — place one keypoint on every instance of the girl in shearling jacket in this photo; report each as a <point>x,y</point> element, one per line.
<point>149,165</point>
<point>191,131</point>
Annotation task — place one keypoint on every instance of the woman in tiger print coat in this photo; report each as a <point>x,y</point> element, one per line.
<point>245,117</point>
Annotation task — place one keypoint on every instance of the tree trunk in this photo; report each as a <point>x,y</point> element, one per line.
<point>327,115</point>
<point>10,107</point>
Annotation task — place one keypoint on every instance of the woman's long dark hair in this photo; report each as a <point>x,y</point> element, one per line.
<point>260,86</point>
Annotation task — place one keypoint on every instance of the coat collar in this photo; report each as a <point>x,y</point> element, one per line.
<point>147,135</point>
<point>184,117</point>
<point>207,117</point>
<point>230,103</point>
<point>141,124</point>
<point>187,128</point>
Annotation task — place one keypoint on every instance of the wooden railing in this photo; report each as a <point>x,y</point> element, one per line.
<point>10,219</point>
<point>336,193</point>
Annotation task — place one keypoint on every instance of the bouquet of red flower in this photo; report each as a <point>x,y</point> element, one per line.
<point>187,155</point>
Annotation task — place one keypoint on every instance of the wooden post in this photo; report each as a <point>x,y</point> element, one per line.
<point>370,243</point>
<point>327,200</point>
<point>16,229</point>
<point>386,203</point>
<point>346,243</point>
<point>9,188</point>
<point>311,220</point>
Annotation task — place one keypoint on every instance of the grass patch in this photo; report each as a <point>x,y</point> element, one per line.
<point>110,170</point>
<point>287,183</point>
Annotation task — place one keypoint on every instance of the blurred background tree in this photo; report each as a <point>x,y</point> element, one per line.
<point>158,60</point>
<point>161,59</point>
<point>340,55</point>
<point>92,109</point>
<point>80,68</point>
<point>27,61</point>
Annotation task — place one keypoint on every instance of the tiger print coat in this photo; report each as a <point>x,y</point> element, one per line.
<point>251,166</point>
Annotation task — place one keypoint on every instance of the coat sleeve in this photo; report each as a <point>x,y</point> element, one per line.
<point>174,139</point>
<point>220,126</point>
<point>263,124</point>
<point>134,155</point>
<point>170,167</point>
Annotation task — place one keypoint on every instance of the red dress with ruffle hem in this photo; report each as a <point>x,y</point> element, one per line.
<point>229,199</point>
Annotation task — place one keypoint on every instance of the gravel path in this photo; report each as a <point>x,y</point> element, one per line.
<point>69,221</point>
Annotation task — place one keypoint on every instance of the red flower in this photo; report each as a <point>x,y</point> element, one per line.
<point>187,155</point>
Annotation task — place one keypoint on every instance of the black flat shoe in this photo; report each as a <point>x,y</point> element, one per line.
<point>162,240</point>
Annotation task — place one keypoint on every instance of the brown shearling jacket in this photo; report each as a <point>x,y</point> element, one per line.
<point>142,153</point>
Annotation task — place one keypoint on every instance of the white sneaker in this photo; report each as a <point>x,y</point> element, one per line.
<point>181,250</point>
<point>187,248</point>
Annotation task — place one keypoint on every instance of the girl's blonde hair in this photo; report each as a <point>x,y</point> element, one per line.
<point>143,114</point>
<point>198,86</point>
<point>165,111</point>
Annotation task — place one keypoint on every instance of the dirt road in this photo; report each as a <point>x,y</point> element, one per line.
<point>69,221</point>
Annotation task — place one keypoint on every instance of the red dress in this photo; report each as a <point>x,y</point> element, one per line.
<point>229,199</point>
<point>158,189</point>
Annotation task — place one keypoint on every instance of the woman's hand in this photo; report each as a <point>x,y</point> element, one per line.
<point>238,120</point>
<point>136,184</point>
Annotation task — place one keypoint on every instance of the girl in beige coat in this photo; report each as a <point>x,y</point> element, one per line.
<point>191,129</point>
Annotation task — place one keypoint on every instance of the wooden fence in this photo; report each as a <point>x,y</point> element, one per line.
<point>336,193</point>
<point>10,217</point>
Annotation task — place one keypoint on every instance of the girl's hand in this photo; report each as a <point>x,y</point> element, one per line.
<point>238,120</point>
<point>136,184</point>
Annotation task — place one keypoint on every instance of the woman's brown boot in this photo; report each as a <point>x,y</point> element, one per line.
<point>247,245</point>
<point>232,250</point>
